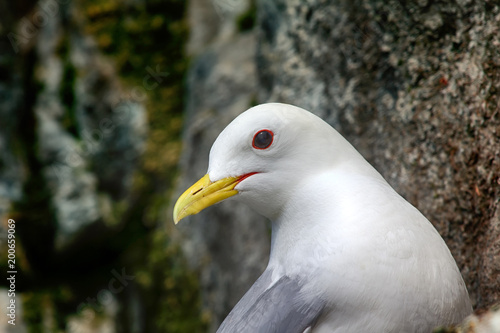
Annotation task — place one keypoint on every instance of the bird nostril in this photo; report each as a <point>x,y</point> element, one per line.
<point>194,193</point>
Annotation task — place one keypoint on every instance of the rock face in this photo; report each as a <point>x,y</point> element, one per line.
<point>74,115</point>
<point>108,131</point>
<point>70,142</point>
<point>12,174</point>
<point>228,244</point>
<point>413,86</point>
<point>86,164</point>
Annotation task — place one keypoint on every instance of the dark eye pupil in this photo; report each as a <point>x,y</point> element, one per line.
<point>263,139</point>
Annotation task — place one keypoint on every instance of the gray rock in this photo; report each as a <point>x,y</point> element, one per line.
<point>413,89</point>
<point>412,86</point>
<point>12,173</point>
<point>228,244</point>
<point>109,132</point>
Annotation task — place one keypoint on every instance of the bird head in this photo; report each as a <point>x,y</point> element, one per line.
<point>262,157</point>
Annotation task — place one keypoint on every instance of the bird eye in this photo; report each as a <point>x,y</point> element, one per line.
<point>262,139</point>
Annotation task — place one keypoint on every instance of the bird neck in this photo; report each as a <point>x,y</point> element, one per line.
<point>312,225</point>
<point>301,232</point>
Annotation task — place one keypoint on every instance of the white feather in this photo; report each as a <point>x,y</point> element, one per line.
<point>338,227</point>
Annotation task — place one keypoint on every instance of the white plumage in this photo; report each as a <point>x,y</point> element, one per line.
<point>348,253</point>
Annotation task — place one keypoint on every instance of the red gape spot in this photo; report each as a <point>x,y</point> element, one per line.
<point>242,178</point>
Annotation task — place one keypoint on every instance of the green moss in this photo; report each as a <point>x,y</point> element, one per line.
<point>35,207</point>
<point>145,41</point>
<point>67,96</point>
<point>67,89</point>
<point>38,309</point>
<point>172,293</point>
<point>33,307</point>
<point>253,101</point>
<point>34,213</point>
<point>246,21</point>
<point>443,330</point>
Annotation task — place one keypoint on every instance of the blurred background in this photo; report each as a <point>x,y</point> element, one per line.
<point>108,110</point>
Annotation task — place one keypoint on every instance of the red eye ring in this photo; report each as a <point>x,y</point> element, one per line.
<point>263,139</point>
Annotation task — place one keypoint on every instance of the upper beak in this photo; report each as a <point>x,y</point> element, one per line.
<point>204,193</point>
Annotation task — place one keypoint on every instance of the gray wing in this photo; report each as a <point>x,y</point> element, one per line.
<point>275,309</point>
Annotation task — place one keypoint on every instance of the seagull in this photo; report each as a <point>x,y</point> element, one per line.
<point>348,253</point>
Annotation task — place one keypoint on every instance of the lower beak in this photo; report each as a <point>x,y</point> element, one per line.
<point>204,193</point>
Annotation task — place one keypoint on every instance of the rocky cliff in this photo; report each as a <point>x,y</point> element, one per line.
<point>89,137</point>
<point>104,120</point>
<point>412,85</point>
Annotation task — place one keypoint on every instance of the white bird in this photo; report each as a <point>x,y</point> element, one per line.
<point>348,254</point>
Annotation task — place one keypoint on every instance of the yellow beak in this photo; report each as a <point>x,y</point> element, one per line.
<point>204,193</point>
